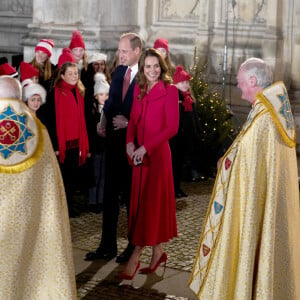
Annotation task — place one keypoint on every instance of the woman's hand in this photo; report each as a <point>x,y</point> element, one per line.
<point>138,155</point>
<point>130,149</point>
<point>101,130</point>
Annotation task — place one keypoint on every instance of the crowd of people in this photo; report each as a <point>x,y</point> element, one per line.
<point>87,110</point>
<point>85,171</point>
<point>120,137</point>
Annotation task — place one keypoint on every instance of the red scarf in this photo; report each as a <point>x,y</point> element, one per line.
<point>70,120</point>
<point>187,102</point>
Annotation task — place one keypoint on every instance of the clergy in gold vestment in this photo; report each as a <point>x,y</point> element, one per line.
<point>250,242</point>
<point>36,260</point>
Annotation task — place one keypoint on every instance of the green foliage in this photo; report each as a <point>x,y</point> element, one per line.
<point>212,117</point>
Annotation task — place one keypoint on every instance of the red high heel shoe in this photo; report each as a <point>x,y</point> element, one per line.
<point>129,277</point>
<point>162,259</point>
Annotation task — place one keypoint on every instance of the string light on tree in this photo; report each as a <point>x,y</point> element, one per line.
<point>212,116</point>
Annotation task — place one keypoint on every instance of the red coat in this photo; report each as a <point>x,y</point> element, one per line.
<point>153,121</point>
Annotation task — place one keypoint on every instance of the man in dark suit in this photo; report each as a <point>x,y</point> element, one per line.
<point>114,126</point>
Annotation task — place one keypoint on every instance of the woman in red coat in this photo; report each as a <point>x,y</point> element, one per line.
<point>153,121</point>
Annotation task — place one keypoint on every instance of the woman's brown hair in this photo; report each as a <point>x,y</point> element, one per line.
<point>62,71</point>
<point>45,70</point>
<point>165,75</point>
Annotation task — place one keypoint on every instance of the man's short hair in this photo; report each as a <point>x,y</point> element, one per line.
<point>10,88</point>
<point>258,68</point>
<point>135,40</point>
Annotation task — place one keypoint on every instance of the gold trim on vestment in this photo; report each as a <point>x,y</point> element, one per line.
<point>257,111</point>
<point>291,142</point>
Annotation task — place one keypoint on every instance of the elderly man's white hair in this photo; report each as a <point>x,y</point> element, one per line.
<point>258,68</point>
<point>10,88</point>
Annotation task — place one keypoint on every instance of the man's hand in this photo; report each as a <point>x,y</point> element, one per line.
<point>120,122</point>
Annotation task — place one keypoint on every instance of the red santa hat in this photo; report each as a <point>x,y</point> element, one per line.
<point>45,46</point>
<point>161,43</point>
<point>66,56</point>
<point>6,68</point>
<point>77,40</point>
<point>180,75</point>
<point>34,89</point>
<point>27,70</point>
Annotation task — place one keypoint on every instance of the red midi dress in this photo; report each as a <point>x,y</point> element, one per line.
<point>153,121</point>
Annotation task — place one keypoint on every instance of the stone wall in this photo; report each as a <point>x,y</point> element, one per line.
<point>224,33</point>
<point>14,17</point>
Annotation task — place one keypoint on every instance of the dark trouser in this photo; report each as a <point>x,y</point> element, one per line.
<point>75,178</point>
<point>70,173</point>
<point>117,182</point>
<point>177,152</point>
<point>96,192</point>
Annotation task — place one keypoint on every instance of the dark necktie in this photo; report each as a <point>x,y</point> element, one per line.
<point>126,83</point>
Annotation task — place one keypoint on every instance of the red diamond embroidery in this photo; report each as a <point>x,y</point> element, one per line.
<point>205,249</point>
<point>227,163</point>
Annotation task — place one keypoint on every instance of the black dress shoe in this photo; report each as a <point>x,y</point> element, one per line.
<point>95,208</point>
<point>180,194</point>
<point>100,254</point>
<point>125,255</point>
<point>183,194</point>
<point>73,214</point>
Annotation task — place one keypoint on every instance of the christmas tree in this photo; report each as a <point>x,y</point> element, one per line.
<point>213,120</point>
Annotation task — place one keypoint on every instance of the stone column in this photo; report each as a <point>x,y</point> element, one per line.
<point>243,23</point>
<point>118,17</point>
<point>57,19</point>
<point>178,22</point>
<point>295,64</point>
<point>100,21</point>
<point>14,17</point>
<point>295,50</point>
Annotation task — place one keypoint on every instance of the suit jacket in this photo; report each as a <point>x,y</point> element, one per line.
<point>117,169</point>
<point>114,104</point>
